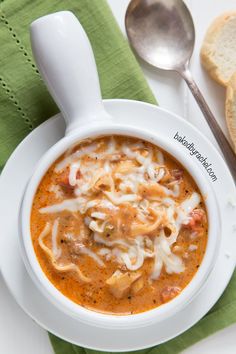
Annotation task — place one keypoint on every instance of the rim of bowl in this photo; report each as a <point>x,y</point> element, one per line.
<point>111,320</point>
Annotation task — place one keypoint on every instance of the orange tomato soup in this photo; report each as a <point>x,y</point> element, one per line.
<point>118,225</point>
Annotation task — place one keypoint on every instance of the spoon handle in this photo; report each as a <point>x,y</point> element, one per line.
<point>226,148</point>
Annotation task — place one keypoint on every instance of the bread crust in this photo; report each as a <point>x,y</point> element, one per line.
<point>208,45</point>
<point>230,109</point>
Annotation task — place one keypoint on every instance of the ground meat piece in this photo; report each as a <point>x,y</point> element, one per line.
<point>75,247</point>
<point>169,292</point>
<point>197,217</point>
<point>177,174</point>
<point>63,182</point>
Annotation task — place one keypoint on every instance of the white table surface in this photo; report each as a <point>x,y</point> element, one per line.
<point>18,333</point>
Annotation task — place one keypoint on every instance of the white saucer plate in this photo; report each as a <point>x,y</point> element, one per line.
<point>12,184</point>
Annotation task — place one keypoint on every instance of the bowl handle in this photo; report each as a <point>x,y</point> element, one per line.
<point>66,62</point>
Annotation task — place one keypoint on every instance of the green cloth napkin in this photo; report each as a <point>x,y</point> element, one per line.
<point>25,103</point>
<point>24,100</point>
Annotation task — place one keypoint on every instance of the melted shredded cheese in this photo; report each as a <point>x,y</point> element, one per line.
<point>131,176</point>
<point>120,199</point>
<point>75,156</point>
<point>74,168</point>
<point>93,255</point>
<point>164,257</point>
<point>186,208</point>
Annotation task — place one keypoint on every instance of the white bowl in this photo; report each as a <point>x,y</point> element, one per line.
<point>161,312</point>
<point>52,42</point>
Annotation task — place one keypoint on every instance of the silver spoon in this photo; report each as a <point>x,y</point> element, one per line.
<point>162,33</point>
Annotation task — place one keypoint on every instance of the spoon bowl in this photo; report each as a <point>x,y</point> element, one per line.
<point>154,29</point>
<point>162,33</point>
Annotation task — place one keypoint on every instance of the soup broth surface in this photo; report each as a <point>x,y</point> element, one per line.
<point>118,225</point>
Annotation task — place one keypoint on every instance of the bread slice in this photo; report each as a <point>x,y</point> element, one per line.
<point>230,109</point>
<point>218,52</point>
